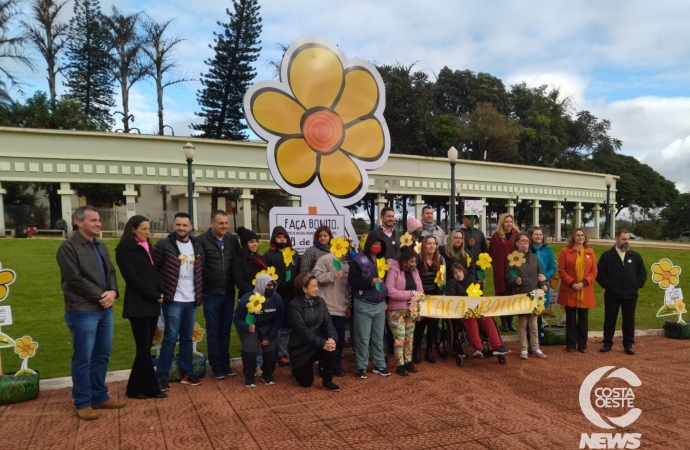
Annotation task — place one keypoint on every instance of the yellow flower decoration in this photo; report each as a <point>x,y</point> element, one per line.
<point>473,313</point>
<point>406,240</point>
<point>324,113</point>
<point>158,336</point>
<point>288,253</point>
<point>418,247</point>
<point>440,276</point>
<point>198,333</point>
<point>382,266</point>
<point>484,261</point>
<point>25,347</point>
<point>540,309</point>
<point>363,242</point>
<point>555,280</point>
<point>339,247</point>
<point>474,290</point>
<point>469,260</point>
<point>255,303</point>
<point>516,259</point>
<point>269,271</point>
<point>679,306</point>
<point>665,274</point>
<point>7,277</point>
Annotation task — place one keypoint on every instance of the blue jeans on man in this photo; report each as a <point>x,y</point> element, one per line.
<point>218,310</point>
<point>92,341</point>
<point>179,321</point>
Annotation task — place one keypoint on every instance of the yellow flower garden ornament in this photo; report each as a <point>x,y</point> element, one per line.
<point>339,247</point>
<point>7,277</point>
<point>516,259</point>
<point>25,347</point>
<point>484,261</point>
<point>665,274</point>
<point>406,240</point>
<point>255,303</point>
<point>418,247</point>
<point>198,333</point>
<point>474,290</point>
<point>271,271</point>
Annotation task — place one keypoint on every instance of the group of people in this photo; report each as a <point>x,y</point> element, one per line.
<point>293,310</point>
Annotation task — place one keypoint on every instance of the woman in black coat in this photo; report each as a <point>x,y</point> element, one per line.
<point>248,263</point>
<point>143,297</point>
<point>313,335</point>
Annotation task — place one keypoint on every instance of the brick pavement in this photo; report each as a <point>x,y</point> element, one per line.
<point>482,405</point>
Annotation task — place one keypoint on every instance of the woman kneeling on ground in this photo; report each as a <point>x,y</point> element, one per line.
<point>313,335</point>
<point>457,285</point>
<point>263,333</point>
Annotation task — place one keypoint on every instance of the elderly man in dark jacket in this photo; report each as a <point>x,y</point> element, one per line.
<point>622,273</point>
<point>89,284</point>
<point>221,249</point>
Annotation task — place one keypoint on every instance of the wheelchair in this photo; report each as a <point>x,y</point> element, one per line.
<point>452,338</point>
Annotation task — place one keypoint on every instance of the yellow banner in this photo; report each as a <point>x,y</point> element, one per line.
<point>447,307</point>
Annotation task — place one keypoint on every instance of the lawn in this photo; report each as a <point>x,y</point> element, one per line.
<point>38,305</point>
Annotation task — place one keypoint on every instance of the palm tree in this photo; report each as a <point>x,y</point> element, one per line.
<point>11,47</point>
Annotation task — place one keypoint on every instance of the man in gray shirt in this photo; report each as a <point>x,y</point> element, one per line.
<point>430,228</point>
<point>89,284</point>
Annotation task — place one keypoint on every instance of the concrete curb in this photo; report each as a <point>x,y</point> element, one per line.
<point>122,375</point>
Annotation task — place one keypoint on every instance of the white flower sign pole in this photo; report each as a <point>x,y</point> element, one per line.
<point>323,122</point>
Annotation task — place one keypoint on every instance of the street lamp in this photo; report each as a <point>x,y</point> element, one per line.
<point>189,151</point>
<point>386,186</point>
<point>565,217</point>
<point>606,234</point>
<point>452,158</point>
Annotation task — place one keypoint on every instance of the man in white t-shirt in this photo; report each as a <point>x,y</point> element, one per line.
<point>179,259</point>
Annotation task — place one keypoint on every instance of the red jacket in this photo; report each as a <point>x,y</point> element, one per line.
<point>566,270</point>
<point>499,249</point>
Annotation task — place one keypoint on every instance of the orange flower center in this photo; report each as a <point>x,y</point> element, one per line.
<point>323,130</point>
<point>666,275</point>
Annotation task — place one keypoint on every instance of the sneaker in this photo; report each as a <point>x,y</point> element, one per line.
<point>478,353</point>
<point>164,385</point>
<point>249,383</point>
<point>267,378</point>
<point>191,380</point>
<point>283,361</point>
<point>338,373</point>
<point>402,371</point>
<point>362,374</point>
<point>523,355</point>
<point>540,354</point>
<point>218,374</point>
<point>502,350</point>
<point>229,372</point>
<point>382,371</point>
<point>331,386</point>
<point>411,368</point>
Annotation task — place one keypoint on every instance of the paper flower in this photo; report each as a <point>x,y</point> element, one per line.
<point>406,240</point>
<point>339,247</point>
<point>516,259</point>
<point>7,277</point>
<point>321,116</point>
<point>25,347</point>
<point>555,280</point>
<point>363,242</point>
<point>288,253</point>
<point>198,333</point>
<point>473,313</point>
<point>680,306</point>
<point>440,276</point>
<point>269,271</point>
<point>484,261</point>
<point>418,247</point>
<point>255,303</point>
<point>665,274</point>
<point>468,260</point>
<point>474,290</point>
<point>382,267</point>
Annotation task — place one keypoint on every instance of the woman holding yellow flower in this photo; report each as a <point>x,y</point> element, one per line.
<point>322,246</point>
<point>500,246</point>
<point>454,253</point>
<point>429,262</point>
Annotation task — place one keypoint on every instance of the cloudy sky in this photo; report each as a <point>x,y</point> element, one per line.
<point>626,61</point>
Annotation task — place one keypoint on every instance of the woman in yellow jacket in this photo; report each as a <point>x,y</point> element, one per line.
<point>577,267</point>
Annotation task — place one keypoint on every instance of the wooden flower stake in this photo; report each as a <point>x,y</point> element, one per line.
<point>667,276</point>
<point>22,385</point>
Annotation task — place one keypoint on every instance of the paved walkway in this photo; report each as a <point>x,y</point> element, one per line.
<point>483,405</point>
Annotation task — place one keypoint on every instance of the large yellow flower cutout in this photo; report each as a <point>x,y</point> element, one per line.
<point>484,261</point>
<point>198,333</point>
<point>269,271</point>
<point>339,247</point>
<point>665,274</point>
<point>474,290</point>
<point>324,115</point>
<point>406,240</point>
<point>7,277</point>
<point>382,266</point>
<point>516,259</point>
<point>288,254</point>
<point>25,347</point>
<point>255,303</point>
<point>440,279</point>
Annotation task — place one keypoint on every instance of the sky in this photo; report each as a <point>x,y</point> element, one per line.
<point>627,62</point>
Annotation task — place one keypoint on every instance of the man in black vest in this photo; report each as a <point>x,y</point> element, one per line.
<point>387,234</point>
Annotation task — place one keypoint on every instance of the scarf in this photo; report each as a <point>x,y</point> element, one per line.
<point>321,247</point>
<point>430,227</point>
<point>145,245</point>
<point>308,301</point>
<point>580,274</point>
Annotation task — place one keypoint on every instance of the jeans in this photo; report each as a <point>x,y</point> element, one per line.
<point>339,325</point>
<point>179,320</point>
<point>370,320</point>
<point>218,311</point>
<point>92,342</point>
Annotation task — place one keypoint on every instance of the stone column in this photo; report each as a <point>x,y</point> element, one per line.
<point>612,220</point>
<point>483,218</point>
<point>66,200</point>
<point>2,211</point>
<point>578,214</point>
<point>130,197</point>
<point>510,206</point>
<point>295,201</point>
<point>246,198</point>
<point>536,206</point>
<point>597,226</point>
<point>557,231</point>
<point>418,205</point>
<point>380,204</point>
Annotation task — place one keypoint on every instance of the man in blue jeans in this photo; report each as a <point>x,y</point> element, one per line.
<point>179,260</point>
<point>89,284</point>
<point>220,249</point>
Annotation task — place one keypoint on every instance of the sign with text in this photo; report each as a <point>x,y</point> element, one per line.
<point>673,295</point>
<point>452,307</point>
<point>473,207</point>
<point>5,316</point>
<point>301,225</point>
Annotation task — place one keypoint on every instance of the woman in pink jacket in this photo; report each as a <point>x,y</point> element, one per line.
<point>403,284</point>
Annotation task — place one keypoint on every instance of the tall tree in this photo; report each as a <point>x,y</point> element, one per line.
<point>230,75</point>
<point>11,48</point>
<point>677,216</point>
<point>89,80</point>
<point>127,64</point>
<point>49,36</point>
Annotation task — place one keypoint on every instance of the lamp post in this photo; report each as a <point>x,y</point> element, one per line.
<point>189,151</point>
<point>386,186</point>
<point>606,234</point>
<point>517,201</point>
<point>565,216</point>
<point>452,158</point>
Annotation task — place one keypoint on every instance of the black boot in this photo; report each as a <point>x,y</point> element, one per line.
<point>509,322</point>
<point>429,355</point>
<point>416,356</point>
<point>504,324</point>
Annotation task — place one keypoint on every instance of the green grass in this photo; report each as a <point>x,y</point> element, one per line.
<point>38,305</point>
